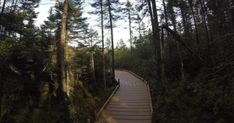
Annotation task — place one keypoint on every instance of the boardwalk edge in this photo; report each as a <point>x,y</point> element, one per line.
<point>97,115</point>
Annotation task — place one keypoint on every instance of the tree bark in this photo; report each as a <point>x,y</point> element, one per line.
<point>232,14</point>
<point>162,42</point>
<point>3,7</point>
<point>112,41</point>
<point>15,5</point>
<point>162,62</point>
<point>165,12</point>
<point>129,24</point>
<point>173,20</point>
<point>195,23</point>
<point>61,50</point>
<point>203,11</point>
<point>103,47</point>
<point>156,36</point>
<point>151,15</point>
<point>1,94</point>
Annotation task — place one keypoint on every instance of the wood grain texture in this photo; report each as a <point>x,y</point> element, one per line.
<point>131,103</point>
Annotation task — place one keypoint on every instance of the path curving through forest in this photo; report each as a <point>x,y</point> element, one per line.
<point>131,103</point>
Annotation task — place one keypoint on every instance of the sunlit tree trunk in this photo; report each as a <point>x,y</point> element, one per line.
<point>93,67</point>
<point>61,50</point>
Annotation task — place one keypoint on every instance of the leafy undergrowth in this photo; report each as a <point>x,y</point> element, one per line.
<point>207,98</point>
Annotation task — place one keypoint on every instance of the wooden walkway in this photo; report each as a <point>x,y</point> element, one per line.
<point>131,103</point>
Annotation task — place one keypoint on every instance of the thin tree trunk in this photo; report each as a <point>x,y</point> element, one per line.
<point>205,25</point>
<point>152,24</point>
<point>178,50</point>
<point>232,15</point>
<point>139,28</point>
<point>130,27</point>
<point>162,43</point>
<point>15,5</point>
<point>12,5</point>
<point>165,12</point>
<point>61,49</point>
<point>3,7</point>
<point>157,40</point>
<point>112,42</point>
<point>181,61</point>
<point>184,21</point>
<point>162,56</point>
<point>52,79</point>
<point>103,47</point>
<point>1,94</point>
<point>151,16</point>
<point>195,23</point>
<point>93,68</point>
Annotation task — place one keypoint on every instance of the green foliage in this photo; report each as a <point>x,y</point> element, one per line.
<point>82,103</point>
<point>206,94</point>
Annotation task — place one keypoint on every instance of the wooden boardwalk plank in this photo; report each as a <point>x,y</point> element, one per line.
<point>130,104</point>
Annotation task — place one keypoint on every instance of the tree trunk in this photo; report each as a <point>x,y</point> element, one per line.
<point>1,94</point>
<point>195,23</point>
<point>232,14</point>
<point>112,42</point>
<point>151,15</point>
<point>183,21</point>
<point>173,19</point>
<point>130,26</point>
<point>61,50</point>
<point>162,62</point>
<point>181,62</point>
<point>103,47</point>
<point>93,68</point>
<point>152,24</point>
<point>157,40</point>
<point>51,84</point>
<point>203,12</point>
<point>139,28</point>
<point>3,7</point>
<point>15,5</point>
<point>162,42</point>
<point>165,12</point>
